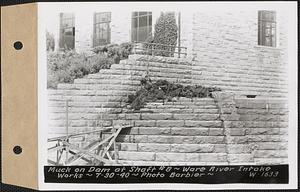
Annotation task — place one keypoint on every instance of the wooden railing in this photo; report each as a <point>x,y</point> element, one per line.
<point>156,49</point>
<point>98,151</point>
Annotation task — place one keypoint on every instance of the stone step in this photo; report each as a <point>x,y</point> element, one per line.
<point>61,130</point>
<point>139,76</point>
<point>103,87</point>
<point>173,148</point>
<point>263,111</point>
<point>172,107</point>
<point>74,109</point>
<point>107,82</point>
<point>172,157</point>
<point>187,116</point>
<point>160,59</point>
<point>112,76</point>
<point>127,64</point>
<point>256,124</point>
<point>192,101</point>
<point>162,73</point>
<point>101,92</point>
<point>177,123</point>
<point>171,139</point>
<point>79,123</point>
<point>75,92</point>
<point>152,68</point>
<point>85,98</point>
<point>260,117</point>
<point>85,104</point>
<point>184,131</point>
<point>179,111</point>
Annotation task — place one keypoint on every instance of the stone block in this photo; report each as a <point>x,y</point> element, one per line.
<point>144,123</point>
<point>182,139</point>
<point>132,116</point>
<point>208,139</point>
<point>267,138</point>
<point>240,158</point>
<point>237,131</point>
<point>154,131</point>
<point>185,116</point>
<point>219,148</point>
<point>213,157</point>
<point>189,131</point>
<point>169,157</point>
<point>270,153</point>
<point>139,138</point>
<point>237,139</point>
<point>230,117</point>
<point>192,157</point>
<point>267,131</point>
<point>152,147</point>
<point>136,156</point>
<point>169,123</point>
<point>270,161</point>
<point>239,148</point>
<point>213,124</point>
<point>216,131</point>
<point>128,147</point>
<point>156,116</point>
<point>192,148</point>
<point>271,145</point>
<point>160,139</point>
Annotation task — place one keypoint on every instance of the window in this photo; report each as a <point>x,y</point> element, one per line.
<point>267,28</point>
<point>67,31</point>
<point>141,26</point>
<point>101,28</point>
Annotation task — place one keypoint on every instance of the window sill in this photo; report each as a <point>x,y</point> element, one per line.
<point>267,47</point>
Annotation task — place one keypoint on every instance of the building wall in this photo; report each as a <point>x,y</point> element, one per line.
<point>83,31</point>
<point>223,46</point>
<point>120,28</point>
<point>227,54</point>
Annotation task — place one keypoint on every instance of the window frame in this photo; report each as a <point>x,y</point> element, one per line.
<point>62,28</point>
<point>135,17</point>
<point>261,28</point>
<point>96,42</point>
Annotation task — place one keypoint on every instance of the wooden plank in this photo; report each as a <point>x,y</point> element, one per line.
<point>55,148</point>
<point>111,141</point>
<point>90,154</point>
<point>74,158</point>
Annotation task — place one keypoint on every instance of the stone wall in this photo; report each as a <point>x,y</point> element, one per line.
<point>227,54</point>
<point>256,129</point>
<point>222,130</point>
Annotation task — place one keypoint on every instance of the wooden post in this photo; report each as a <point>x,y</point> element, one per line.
<point>179,31</point>
<point>57,153</point>
<point>67,131</point>
<point>115,146</point>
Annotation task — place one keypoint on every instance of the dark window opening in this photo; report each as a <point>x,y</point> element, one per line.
<point>141,26</point>
<point>102,32</point>
<point>67,31</point>
<point>267,28</point>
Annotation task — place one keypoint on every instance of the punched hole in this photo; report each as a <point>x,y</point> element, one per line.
<point>17,150</point>
<point>18,45</point>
